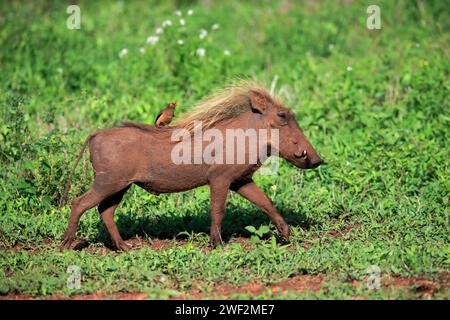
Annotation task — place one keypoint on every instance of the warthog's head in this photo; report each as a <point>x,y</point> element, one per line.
<point>292,145</point>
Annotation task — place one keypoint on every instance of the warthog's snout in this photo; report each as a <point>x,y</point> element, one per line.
<point>312,161</point>
<point>315,163</point>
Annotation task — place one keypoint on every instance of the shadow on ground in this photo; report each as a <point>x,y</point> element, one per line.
<point>170,226</point>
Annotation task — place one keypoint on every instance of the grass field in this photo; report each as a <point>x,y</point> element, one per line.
<point>374,103</point>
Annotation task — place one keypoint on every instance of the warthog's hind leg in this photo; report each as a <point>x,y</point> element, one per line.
<point>79,205</point>
<point>96,194</point>
<point>106,210</point>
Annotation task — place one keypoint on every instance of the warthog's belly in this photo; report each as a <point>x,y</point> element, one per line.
<point>149,188</point>
<point>157,188</point>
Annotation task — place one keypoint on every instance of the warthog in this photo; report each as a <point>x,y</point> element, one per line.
<point>142,154</point>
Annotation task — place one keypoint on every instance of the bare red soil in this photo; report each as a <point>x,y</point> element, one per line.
<point>298,284</point>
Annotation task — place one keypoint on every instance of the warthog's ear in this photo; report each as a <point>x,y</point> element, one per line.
<point>258,101</point>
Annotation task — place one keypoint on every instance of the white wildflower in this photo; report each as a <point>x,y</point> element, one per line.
<point>201,52</point>
<point>180,42</point>
<point>182,22</point>
<point>178,13</point>
<point>215,26</point>
<point>159,30</point>
<point>152,40</point>
<point>123,53</point>
<point>331,46</point>
<point>349,68</point>
<point>190,12</point>
<point>166,23</point>
<point>203,34</point>
<point>417,45</point>
<point>142,50</point>
<point>227,52</point>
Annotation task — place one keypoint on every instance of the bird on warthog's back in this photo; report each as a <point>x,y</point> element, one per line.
<point>166,115</point>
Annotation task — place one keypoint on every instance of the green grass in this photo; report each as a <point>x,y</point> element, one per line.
<point>383,126</point>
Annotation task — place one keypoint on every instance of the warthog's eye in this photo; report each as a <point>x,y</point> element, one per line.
<point>282,115</point>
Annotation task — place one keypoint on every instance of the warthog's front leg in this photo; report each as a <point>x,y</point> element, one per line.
<point>219,192</point>
<point>254,194</point>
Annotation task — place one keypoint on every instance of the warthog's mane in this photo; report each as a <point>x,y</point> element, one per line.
<point>224,104</point>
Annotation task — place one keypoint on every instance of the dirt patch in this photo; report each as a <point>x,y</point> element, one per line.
<point>343,232</point>
<point>135,243</point>
<point>333,233</point>
<point>298,283</point>
<point>423,286</point>
<point>244,242</point>
<point>301,283</point>
<point>93,296</point>
<point>158,244</point>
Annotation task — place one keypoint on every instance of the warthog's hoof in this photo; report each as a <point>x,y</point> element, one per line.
<point>216,240</point>
<point>122,246</point>
<point>285,231</point>
<point>65,245</point>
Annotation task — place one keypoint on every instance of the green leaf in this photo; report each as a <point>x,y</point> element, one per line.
<point>250,229</point>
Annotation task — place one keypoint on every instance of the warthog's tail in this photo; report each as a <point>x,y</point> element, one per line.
<point>63,199</point>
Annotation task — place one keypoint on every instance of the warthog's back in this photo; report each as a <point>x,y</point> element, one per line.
<point>143,157</point>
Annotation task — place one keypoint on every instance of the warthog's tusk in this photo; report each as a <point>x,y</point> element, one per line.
<point>302,155</point>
